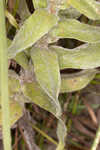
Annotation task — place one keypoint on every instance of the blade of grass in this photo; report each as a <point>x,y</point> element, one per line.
<point>15,7</point>
<point>51,139</point>
<point>11,19</point>
<point>4,81</point>
<point>44,134</point>
<point>74,110</point>
<point>96,140</point>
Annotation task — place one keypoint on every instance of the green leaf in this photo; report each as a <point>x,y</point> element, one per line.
<point>89,8</point>
<point>8,42</point>
<point>16,112</point>
<point>35,94</point>
<point>37,25</point>
<point>22,59</point>
<point>71,28</point>
<point>47,73</point>
<point>69,13</point>
<point>76,81</point>
<point>14,84</point>
<point>14,87</point>
<point>46,68</point>
<point>11,19</point>
<point>86,56</point>
<point>39,3</point>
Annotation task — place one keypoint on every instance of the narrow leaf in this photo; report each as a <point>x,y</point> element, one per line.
<point>86,56</point>
<point>71,28</point>
<point>35,94</point>
<point>39,3</point>
<point>22,59</point>
<point>16,112</point>
<point>46,68</point>
<point>89,8</point>
<point>69,13</point>
<point>11,19</point>
<point>47,73</point>
<point>37,25</point>
<point>13,83</point>
<point>76,81</point>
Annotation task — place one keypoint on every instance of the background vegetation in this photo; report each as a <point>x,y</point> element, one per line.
<point>49,65</point>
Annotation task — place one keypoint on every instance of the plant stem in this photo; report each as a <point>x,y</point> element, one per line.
<point>74,109</point>
<point>15,7</point>
<point>44,134</point>
<point>96,140</point>
<point>4,81</point>
<point>60,146</point>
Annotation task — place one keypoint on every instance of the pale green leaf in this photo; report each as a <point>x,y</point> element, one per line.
<point>76,81</point>
<point>46,68</point>
<point>35,94</point>
<point>11,19</point>
<point>39,3</point>
<point>22,59</point>
<point>37,25</point>
<point>71,28</point>
<point>86,56</point>
<point>14,85</point>
<point>89,8</point>
<point>70,12</point>
<point>8,42</point>
<point>16,112</point>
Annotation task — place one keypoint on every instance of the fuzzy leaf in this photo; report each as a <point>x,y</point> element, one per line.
<point>89,8</point>
<point>86,56</point>
<point>37,25</point>
<point>37,95</point>
<point>71,28</point>
<point>14,86</point>
<point>16,112</point>
<point>40,3</point>
<point>70,12</point>
<point>34,93</point>
<point>76,81</point>
<point>46,68</point>
<point>47,73</point>
<point>22,59</point>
